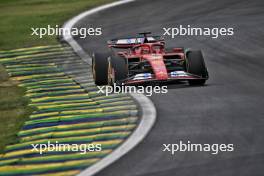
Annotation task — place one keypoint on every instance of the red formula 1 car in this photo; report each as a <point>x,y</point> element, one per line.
<point>145,59</point>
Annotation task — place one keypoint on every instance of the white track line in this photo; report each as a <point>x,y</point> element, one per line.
<point>148,116</point>
<point>69,24</point>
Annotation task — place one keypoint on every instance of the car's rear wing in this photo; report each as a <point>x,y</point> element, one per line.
<point>130,42</point>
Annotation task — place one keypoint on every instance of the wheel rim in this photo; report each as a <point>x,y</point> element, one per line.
<point>93,70</point>
<point>110,77</point>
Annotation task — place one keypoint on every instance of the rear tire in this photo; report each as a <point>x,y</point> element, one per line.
<point>196,66</point>
<point>100,66</point>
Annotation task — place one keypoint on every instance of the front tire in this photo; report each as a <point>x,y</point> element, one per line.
<point>100,65</point>
<point>196,66</point>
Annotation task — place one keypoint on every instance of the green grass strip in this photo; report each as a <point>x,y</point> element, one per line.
<point>31,168</point>
<point>83,139</point>
<point>55,58</point>
<point>87,125</point>
<point>106,145</point>
<point>65,112</point>
<point>49,76</point>
<point>82,132</point>
<point>62,102</point>
<point>52,158</point>
<point>62,107</point>
<point>45,94</point>
<point>30,65</point>
<point>32,57</point>
<point>65,80</point>
<point>77,117</point>
<point>61,98</point>
<point>30,68</point>
<point>40,86</point>
<point>33,52</point>
<point>26,73</point>
<point>60,88</point>
<point>60,77</point>
<point>36,48</point>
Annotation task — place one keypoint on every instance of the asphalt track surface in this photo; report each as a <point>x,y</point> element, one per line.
<point>229,109</point>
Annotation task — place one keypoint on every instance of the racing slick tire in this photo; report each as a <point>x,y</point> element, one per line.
<point>100,65</point>
<point>196,66</point>
<point>120,69</point>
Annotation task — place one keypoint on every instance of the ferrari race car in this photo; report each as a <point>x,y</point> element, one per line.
<point>144,59</point>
